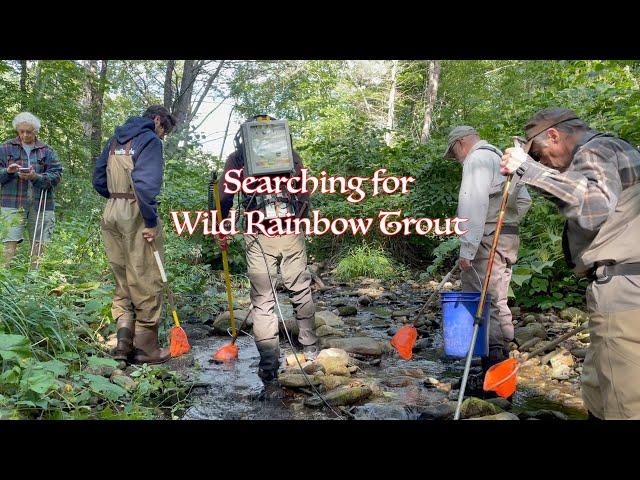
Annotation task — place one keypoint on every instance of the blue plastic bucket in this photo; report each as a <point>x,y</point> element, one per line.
<point>458,314</point>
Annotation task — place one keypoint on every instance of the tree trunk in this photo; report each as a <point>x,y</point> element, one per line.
<point>391,105</point>
<point>168,87</point>
<point>23,84</point>
<point>433,78</point>
<point>181,105</point>
<point>91,67</point>
<point>38,88</point>
<point>182,102</point>
<point>97,104</point>
<point>92,102</point>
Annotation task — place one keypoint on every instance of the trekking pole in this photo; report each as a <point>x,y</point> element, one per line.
<point>485,286</point>
<point>33,242</point>
<point>44,210</point>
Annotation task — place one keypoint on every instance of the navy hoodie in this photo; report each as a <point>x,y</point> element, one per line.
<point>148,165</point>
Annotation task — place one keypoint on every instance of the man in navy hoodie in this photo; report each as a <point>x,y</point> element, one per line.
<point>129,174</point>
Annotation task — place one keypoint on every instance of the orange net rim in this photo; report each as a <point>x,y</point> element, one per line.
<point>226,353</point>
<point>494,385</point>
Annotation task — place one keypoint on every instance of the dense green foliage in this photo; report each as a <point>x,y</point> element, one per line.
<point>53,322</point>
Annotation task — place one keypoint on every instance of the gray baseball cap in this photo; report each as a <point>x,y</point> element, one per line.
<point>456,134</point>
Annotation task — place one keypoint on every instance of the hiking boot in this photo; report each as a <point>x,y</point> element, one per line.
<point>146,346</point>
<point>124,334</point>
<point>310,352</point>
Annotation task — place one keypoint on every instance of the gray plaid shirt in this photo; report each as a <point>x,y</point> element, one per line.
<point>588,191</point>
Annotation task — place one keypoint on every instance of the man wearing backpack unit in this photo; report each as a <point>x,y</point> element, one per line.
<point>594,178</point>
<point>264,254</point>
<point>479,202</point>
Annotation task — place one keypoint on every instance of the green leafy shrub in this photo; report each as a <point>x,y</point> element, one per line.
<point>365,261</point>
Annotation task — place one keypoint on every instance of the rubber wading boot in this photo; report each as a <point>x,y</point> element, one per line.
<point>496,355</point>
<point>271,389</point>
<point>124,334</point>
<point>146,346</point>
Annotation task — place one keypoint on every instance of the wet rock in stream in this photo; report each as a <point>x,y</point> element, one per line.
<point>325,331</point>
<point>498,416</point>
<point>440,411</point>
<point>346,395</point>
<point>222,322</point>
<point>325,317</point>
<point>475,407</point>
<point>359,345</point>
<point>377,411</point>
<point>347,310</point>
<point>364,300</point>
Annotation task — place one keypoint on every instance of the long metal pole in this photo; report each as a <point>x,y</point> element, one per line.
<point>483,295</point>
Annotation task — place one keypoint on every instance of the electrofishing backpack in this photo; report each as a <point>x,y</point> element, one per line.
<point>266,149</point>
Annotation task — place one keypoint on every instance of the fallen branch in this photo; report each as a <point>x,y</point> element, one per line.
<point>556,342</point>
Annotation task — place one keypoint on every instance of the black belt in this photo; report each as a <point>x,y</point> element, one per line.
<point>506,230</point>
<point>608,271</point>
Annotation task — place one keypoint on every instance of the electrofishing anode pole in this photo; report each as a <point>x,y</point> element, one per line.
<point>225,260</point>
<point>485,286</point>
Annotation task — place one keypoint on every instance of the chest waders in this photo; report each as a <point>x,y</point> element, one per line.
<point>137,300</point>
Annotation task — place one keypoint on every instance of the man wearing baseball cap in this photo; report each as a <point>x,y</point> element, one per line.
<point>479,202</point>
<point>594,178</point>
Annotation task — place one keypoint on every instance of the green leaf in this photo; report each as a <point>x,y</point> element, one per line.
<point>539,284</point>
<point>93,306</point>
<point>519,279</point>
<point>103,386</point>
<point>71,356</point>
<point>100,361</point>
<point>11,377</point>
<point>39,382</point>
<point>14,347</point>
<point>55,366</point>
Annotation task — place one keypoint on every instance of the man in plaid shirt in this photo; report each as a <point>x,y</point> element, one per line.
<point>28,167</point>
<point>594,178</point>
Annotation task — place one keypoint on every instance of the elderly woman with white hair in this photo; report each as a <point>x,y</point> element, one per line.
<point>29,173</point>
